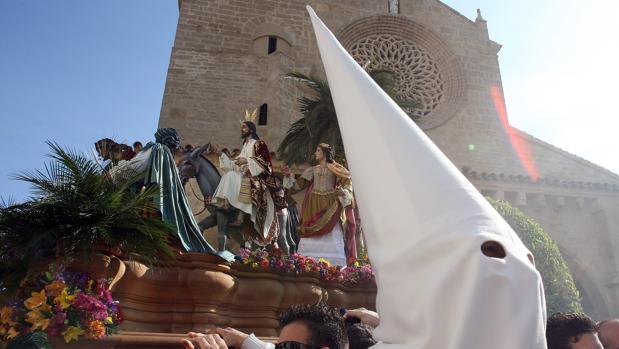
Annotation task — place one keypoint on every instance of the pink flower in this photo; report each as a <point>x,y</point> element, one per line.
<point>244,253</point>
<point>93,308</point>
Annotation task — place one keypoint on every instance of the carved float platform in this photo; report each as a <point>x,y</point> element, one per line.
<point>198,291</point>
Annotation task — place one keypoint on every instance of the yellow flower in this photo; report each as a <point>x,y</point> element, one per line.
<point>38,321</point>
<point>64,299</point>
<point>37,300</point>
<point>5,316</point>
<point>72,333</point>
<point>55,288</point>
<point>12,333</point>
<point>109,320</point>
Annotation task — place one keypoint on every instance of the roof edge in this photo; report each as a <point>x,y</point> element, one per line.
<point>583,161</point>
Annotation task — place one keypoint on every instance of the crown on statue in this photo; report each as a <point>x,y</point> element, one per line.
<point>251,116</point>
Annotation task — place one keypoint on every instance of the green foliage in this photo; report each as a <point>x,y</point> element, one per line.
<point>561,292</point>
<point>77,208</point>
<point>319,122</point>
<point>34,340</point>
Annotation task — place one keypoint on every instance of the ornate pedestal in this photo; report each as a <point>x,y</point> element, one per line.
<point>197,291</point>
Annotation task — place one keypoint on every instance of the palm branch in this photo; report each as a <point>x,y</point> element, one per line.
<point>77,208</point>
<point>319,121</point>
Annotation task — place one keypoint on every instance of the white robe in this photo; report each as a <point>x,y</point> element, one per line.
<point>230,185</point>
<point>328,246</point>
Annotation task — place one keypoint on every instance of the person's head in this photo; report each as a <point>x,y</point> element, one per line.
<point>324,152</point>
<point>104,148</point>
<point>137,147</point>
<point>572,331</point>
<point>168,137</point>
<point>117,152</point>
<point>609,333</point>
<point>248,130</point>
<point>314,325</point>
<point>360,336</point>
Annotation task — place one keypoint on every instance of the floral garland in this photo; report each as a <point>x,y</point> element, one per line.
<point>59,303</point>
<point>296,264</point>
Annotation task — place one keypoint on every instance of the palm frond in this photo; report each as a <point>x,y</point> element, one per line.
<point>319,122</point>
<point>78,208</point>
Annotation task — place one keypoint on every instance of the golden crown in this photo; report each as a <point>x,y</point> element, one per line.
<point>251,116</point>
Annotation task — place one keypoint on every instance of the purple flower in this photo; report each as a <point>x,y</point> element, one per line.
<point>244,253</point>
<point>92,307</point>
<point>56,324</point>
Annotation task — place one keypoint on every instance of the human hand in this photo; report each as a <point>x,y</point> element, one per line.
<point>203,341</point>
<point>367,317</point>
<point>232,337</point>
<point>240,161</point>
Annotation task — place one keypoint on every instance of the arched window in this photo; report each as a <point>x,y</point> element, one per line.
<point>272,45</point>
<point>269,38</point>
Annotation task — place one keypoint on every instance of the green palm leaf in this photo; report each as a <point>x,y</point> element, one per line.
<point>76,208</point>
<point>319,120</point>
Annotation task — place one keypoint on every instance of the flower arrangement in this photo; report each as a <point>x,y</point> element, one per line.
<point>59,303</point>
<point>296,264</point>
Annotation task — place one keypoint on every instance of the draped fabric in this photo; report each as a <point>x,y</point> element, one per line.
<point>251,188</point>
<point>324,211</point>
<point>427,227</point>
<point>171,199</point>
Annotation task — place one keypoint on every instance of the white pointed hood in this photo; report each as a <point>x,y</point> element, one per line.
<point>425,223</point>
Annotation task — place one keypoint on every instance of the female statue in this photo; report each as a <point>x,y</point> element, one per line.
<point>327,211</point>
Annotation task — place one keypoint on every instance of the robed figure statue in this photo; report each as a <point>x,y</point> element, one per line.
<point>248,185</point>
<point>328,225</point>
<point>156,162</point>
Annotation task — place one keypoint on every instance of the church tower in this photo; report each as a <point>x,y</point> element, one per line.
<point>229,56</point>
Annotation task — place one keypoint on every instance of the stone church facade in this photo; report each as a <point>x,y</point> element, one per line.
<point>231,55</point>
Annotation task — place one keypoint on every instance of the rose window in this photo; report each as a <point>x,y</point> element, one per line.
<point>417,76</point>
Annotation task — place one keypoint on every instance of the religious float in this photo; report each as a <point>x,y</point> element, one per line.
<point>100,268</point>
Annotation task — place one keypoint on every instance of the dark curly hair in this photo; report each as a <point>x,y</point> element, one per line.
<point>562,329</point>
<point>168,137</point>
<point>360,336</point>
<point>325,324</point>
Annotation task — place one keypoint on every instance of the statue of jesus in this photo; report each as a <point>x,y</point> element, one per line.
<point>248,185</point>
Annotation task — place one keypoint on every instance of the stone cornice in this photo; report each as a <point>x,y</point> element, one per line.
<point>541,182</point>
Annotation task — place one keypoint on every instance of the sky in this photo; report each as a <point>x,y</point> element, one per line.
<point>75,71</point>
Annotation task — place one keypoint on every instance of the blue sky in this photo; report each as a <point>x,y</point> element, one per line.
<point>75,71</point>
